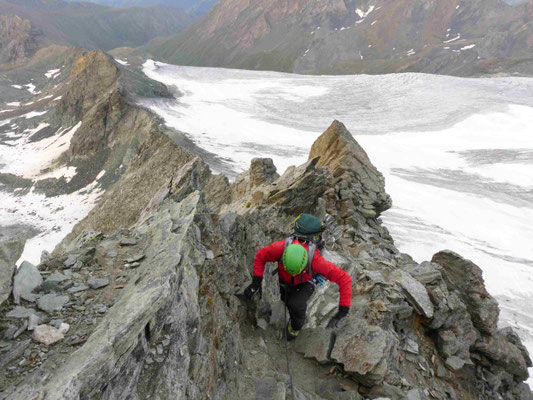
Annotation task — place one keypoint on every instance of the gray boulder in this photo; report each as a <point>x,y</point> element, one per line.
<point>26,280</point>
<point>52,302</point>
<point>365,351</point>
<point>12,240</point>
<point>97,283</point>
<point>53,281</point>
<point>415,292</point>
<point>20,312</point>
<point>466,277</point>
<point>315,343</point>
<point>502,352</point>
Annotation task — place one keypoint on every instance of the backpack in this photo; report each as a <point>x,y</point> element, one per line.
<point>307,229</point>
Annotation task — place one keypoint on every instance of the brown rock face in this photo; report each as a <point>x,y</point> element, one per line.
<point>18,40</point>
<point>91,76</point>
<point>360,183</point>
<point>466,277</point>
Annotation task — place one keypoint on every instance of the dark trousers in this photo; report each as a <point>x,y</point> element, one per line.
<point>295,298</point>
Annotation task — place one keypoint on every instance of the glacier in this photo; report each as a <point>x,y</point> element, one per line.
<point>456,153</point>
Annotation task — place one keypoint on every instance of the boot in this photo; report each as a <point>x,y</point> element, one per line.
<point>290,333</point>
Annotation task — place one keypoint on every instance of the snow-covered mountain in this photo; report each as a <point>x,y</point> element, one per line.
<point>456,153</point>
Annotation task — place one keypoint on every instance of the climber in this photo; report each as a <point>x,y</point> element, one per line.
<point>300,265</point>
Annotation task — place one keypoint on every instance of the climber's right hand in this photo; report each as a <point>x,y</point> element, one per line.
<point>254,287</point>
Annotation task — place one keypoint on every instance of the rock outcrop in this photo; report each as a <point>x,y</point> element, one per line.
<point>359,184</point>
<point>464,277</point>
<point>18,41</point>
<point>168,323</point>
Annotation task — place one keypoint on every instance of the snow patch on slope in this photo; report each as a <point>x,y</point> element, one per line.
<point>363,14</point>
<point>53,73</point>
<point>30,158</point>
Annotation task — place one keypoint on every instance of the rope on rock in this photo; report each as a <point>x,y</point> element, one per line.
<point>285,330</point>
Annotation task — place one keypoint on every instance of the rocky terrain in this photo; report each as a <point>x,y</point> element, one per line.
<point>26,25</point>
<point>69,129</point>
<point>451,37</point>
<point>144,306</point>
<point>18,41</point>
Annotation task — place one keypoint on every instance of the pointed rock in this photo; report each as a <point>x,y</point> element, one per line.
<point>12,240</point>
<point>262,170</point>
<point>360,183</point>
<point>192,176</point>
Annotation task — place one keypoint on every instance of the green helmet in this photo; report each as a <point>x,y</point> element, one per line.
<point>294,259</point>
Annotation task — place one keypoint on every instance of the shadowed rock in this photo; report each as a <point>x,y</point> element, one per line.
<point>466,277</point>
<point>12,240</point>
<point>26,279</point>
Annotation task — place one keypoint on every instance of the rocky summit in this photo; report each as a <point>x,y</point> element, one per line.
<point>149,311</point>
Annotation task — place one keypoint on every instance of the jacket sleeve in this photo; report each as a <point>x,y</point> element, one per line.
<point>335,274</point>
<point>269,253</point>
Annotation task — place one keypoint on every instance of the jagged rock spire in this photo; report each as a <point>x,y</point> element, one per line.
<point>362,187</point>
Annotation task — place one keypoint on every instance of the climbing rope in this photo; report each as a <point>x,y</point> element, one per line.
<point>287,341</point>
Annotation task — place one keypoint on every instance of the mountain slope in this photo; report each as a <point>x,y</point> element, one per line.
<point>193,7</point>
<point>18,40</point>
<point>358,36</point>
<point>94,26</point>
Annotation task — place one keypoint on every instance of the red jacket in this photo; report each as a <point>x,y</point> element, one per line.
<point>320,266</point>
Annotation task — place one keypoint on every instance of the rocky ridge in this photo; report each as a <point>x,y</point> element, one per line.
<point>153,313</point>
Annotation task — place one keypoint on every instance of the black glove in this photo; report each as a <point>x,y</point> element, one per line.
<point>254,287</point>
<point>334,321</point>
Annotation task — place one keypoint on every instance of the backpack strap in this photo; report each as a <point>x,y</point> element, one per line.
<point>311,248</point>
<point>288,242</point>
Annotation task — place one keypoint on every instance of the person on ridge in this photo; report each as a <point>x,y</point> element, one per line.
<point>300,265</point>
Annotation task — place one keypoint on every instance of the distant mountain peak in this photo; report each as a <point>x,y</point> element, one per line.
<point>358,36</point>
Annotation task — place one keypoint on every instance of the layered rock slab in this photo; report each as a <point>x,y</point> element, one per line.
<point>177,326</point>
